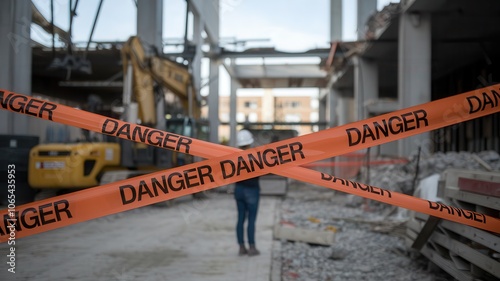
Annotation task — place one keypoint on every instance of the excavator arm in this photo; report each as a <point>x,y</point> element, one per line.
<point>148,69</point>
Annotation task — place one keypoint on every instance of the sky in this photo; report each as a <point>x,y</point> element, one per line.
<point>293,25</point>
<point>287,25</point>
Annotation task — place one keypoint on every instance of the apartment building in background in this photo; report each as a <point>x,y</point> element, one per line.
<point>268,107</point>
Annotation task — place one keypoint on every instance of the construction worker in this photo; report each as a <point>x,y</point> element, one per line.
<point>246,193</point>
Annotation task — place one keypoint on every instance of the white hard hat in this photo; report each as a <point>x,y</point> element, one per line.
<point>244,138</point>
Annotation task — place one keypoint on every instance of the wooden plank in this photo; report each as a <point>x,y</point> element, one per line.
<point>452,176</point>
<point>446,265</point>
<point>478,199</point>
<point>415,225</point>
<point>479,186</point>
<point>408,242</point>
<point>460,263</point>
<point>425,233</point>
<point>421,216</point>
<point>473,256</point>
<point>480,236</point>
<point>411,234</point>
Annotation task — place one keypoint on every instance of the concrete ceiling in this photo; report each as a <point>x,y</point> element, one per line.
<point>279,76</point>
<point>463,32</point>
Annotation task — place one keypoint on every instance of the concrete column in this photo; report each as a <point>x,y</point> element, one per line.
<point>365,9</point>
<point>15,58</point>
<point>212,28</point>
<point>268,106</point>
<point>335,20</point>
<point>150,31</point>
<point>198,23</point>
<point>414,71</point>
<point>149,22</point>
<point>332,100</point>
<point>233,99</point>
<point>213,101</point>
<point>328,104</point>
<point>345,110</point>
<point>365,84</point>
<point>323,107</point>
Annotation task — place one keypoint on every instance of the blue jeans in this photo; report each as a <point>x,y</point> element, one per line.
<point>247,201</point>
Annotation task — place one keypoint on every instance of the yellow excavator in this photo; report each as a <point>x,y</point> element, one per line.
<point>87,164</point>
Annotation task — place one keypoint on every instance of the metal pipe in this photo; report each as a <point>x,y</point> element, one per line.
<point>93,28</point>
<point>70,51</point>
<point>186,26</point>
<point>52,28</point>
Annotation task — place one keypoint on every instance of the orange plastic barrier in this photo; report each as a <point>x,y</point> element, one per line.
<point>229,165</point>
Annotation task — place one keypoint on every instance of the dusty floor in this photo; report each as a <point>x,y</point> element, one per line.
<point>191,240</point>
<point>195,240</point>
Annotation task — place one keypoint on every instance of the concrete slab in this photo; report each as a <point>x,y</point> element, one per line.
<point>191,240</point>
<point>319,237</point>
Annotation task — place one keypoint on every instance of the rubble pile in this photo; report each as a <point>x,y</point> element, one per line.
<point>359,251</point>
<point>369,239</point>
<point>400,177</point>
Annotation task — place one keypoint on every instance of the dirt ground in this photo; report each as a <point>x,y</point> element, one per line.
<point>190,240</point>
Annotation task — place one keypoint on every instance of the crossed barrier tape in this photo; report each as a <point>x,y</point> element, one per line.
<point>356,163</point>
<point>228,165</point>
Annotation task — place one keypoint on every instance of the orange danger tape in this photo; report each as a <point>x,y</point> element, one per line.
<point>279,158</point>
<point>356,163</point>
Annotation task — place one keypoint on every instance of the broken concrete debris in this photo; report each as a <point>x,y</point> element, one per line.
<point>368,242</point>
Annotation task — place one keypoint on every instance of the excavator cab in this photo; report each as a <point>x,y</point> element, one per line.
<point>189,127</point>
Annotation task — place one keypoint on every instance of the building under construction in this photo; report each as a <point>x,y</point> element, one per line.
<point>408,53</point>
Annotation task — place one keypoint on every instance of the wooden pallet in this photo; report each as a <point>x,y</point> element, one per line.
<point>464,252</point>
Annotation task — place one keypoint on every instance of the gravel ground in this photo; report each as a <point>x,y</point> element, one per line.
<point>369,245</point>
<point>369,235</point>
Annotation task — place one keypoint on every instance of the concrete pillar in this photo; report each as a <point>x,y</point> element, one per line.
<point>328,104</point>
<point>150,31</point>
<point>198,41</point>
<point>335,20</point>
<point>213,100</point>
<point>332,100</point>
<point>150,22</point>
<point>365,84</point>
<point>345,110</point>
<point>233,101</point>
<point>268,106</point>
<point>212,27</point>
<point>365,9</point>
<point>323,107</point>
<point>15,58</point>
<point>414,71</point>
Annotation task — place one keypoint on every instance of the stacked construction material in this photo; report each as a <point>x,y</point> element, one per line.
<point>465,252</point>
